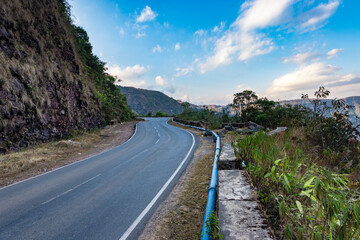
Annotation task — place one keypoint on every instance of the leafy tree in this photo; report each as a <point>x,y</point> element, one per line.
<point>243,100</point>
<point>161,114</point>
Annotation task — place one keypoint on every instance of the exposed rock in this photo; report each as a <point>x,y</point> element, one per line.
<point>229,128</point>
<point>255,127</point>
<point>277,131</point>
<point>207,133</point>
<point>244,131</point>
<point>40,100</point>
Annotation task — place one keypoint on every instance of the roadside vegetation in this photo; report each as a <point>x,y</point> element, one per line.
<point>113,103</point>
<point>79,144</point>
<point>157,114</point>
<point>210,118</point>
<point>307,178</point>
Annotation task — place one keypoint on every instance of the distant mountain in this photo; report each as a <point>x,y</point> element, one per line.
<point>143,101</point>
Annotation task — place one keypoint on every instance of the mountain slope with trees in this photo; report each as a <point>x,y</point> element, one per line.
<point>144,101</point>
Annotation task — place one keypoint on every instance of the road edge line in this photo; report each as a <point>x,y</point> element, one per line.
<point>161,191</point>
<point>70,164</point>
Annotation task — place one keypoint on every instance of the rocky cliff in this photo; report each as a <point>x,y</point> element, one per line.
<point>45,86</point>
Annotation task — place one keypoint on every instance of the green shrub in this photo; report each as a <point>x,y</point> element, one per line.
<point>161,114</point>
<point>210,118</point>
<point>303,199</point>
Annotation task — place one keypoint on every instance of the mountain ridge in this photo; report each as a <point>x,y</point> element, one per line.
<point>143,101</point>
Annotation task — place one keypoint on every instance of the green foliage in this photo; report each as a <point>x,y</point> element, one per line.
<point>330,129</point>
<point>207,116</point>
<point>113,103</point>
<point>267,112</point>
<point>213,229</point>
<point>161,114</point>
<point>243,100</point>
<point>303,199</point>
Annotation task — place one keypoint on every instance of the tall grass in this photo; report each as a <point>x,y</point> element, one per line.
<point>303,199</point>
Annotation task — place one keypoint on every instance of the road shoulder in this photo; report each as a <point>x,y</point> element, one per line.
<point>35,160</point>
<point>180,215</point>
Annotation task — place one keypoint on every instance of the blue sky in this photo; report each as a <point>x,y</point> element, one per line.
<point>205,51</point>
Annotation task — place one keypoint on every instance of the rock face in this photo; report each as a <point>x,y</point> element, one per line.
<point>44,92</point>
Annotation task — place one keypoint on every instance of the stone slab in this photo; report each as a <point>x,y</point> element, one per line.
<point>227,159</point>
<point>240,220</point>
<point>233,185</point>
<point>227,153</point>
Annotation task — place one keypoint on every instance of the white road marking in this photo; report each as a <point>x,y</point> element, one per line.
<point>65,166</point>
<point>71,189</point>
<point>157,196</point>
<point>157,141</point>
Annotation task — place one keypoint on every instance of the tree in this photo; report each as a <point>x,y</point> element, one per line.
<point>242,100</point>
<point>185,105</point>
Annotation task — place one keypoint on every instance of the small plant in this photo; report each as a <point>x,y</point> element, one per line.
<point>213,229</point>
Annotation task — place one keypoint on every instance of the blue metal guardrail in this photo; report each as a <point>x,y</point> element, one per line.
<point>210,204</point>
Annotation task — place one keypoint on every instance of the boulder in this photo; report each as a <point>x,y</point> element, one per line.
<point>277,130</point>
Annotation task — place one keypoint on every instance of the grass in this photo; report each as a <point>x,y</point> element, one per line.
<point>305,196</point>
<point>37,159</point>
<point>186,221</point>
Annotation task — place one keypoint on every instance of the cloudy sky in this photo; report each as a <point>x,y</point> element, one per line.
<point>204,51</point>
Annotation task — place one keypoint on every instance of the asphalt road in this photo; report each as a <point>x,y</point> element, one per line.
<point>108,196</point>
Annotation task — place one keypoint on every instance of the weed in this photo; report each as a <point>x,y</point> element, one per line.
<point>213,229</point>
<point>303,199</point>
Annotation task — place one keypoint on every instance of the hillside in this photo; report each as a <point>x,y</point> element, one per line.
<point>144,101</point>
<point>50,82</point>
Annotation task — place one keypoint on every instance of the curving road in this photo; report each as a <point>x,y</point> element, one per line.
<point>108,196</point>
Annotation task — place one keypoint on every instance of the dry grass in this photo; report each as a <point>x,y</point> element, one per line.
<point>34,160</point>
<point>183,220</point>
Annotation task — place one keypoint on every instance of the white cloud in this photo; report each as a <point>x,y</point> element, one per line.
<point>129,76</point>
<point>183,71</point>
<point>140,35</point>
<point>219,28</point>
<point>157,48</point>
<point>200,32</point>
<point>177,46</point>
<point>121,31</point>
<point>302,58</point>
<point>241,39</point>
<point>262,13</point>
<point>160,81</point>
<point>307,79</point>
<point>146,15</point>
<point>316,17</point>
<point>334,52</point>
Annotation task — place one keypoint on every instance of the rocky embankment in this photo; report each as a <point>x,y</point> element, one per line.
<point>44,92</point>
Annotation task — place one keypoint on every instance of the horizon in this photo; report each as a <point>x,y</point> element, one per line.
<point>204,52</point>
